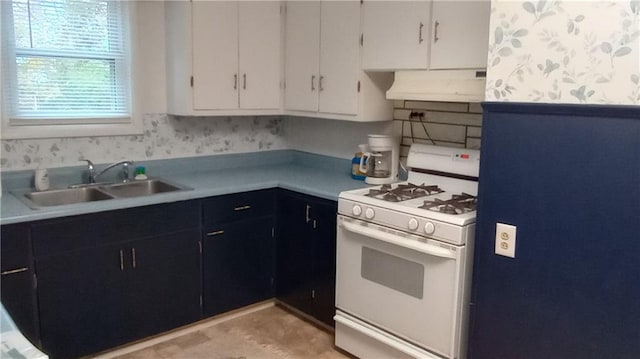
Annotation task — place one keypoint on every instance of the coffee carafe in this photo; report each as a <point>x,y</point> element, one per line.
<point>381,162</point>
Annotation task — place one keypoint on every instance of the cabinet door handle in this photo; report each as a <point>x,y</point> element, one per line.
<point>242,208</point>
<point>435,32</point>
<point>14,271</point>
<point>235,81</point>
<point>214,233</point>
<point>244,81</point>
<point>133,257</point>
<point>420,39</point>
<point>320,83</point>
<point>313,80</point>
<point>306,216</point>
<point>121,260</point>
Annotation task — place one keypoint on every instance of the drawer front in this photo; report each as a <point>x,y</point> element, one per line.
<point>238,206</point>
<point>86,231</point>
<point>15,247</point>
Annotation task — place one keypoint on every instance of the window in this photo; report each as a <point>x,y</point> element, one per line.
<point>66,64</point>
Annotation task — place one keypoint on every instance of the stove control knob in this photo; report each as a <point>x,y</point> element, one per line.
<point>369,213</point>
<point>413,224</point>
<point>429,228</point>
<point>356,210</point>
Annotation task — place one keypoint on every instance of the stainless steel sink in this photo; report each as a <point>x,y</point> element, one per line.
<point>65,196</point>
<point>142,188</point>
<point>98,192</point>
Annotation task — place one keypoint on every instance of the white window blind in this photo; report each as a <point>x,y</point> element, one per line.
<point>66,61</point>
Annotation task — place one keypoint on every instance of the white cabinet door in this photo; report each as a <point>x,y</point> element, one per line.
<point>339,57</point>
<point>396,35</point>
<point>215,54</point>
<point>460,34</point>
<point>302,47</point>
<point>259,61</point>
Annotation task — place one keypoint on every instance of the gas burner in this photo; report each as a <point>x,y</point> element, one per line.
<point>403,192</point>
<point>458,204</point>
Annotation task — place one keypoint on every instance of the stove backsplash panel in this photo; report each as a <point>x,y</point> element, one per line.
<point>452,124</point>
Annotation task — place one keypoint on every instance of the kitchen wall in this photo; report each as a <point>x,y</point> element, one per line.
<point>564,52</point>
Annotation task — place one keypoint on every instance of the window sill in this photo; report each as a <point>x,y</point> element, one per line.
<point>72,130</point>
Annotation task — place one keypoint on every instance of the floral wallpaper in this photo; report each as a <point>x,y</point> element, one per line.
<point>164,137</point>
<point>564,52</point>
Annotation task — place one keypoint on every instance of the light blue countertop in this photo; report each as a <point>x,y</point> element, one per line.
<point>311,174</point>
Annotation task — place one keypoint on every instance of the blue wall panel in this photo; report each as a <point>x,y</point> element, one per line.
<point>568,177</point>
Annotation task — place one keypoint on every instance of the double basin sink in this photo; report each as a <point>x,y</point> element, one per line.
<point>99,192</point>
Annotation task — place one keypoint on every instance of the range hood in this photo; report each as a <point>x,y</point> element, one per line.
<point>439,85</point>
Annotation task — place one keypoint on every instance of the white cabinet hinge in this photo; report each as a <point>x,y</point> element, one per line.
<point>362,39</point>
<point>358,86</point>
<point>313,293</point>
<point>191,81</point>
<point>201,301</point>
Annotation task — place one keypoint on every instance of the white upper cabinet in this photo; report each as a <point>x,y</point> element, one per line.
<point>339,57</point>
<point>302,55</point>
<point>322,70</point>
<point>260,48</point>
<point>223,57</point>
<point>215,55</point>
<point>395,35</point>
<point>460,37</point>
<point>419,35</point>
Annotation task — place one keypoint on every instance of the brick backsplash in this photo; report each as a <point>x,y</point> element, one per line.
<point>453,124</point>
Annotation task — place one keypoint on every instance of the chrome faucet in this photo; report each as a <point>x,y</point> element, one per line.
<point>93,176</point>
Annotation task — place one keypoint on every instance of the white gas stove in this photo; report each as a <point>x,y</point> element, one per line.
<point>428,200</point>
<point>407,247</point>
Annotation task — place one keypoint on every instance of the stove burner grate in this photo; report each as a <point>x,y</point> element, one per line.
<point>457,204</point>
<point>403,192</point>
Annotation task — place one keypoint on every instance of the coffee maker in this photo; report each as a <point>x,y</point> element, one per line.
<point>380,163</point>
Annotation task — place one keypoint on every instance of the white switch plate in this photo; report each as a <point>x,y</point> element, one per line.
<point>506,240</point>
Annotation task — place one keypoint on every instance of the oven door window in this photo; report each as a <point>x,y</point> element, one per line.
<point>394,272</point>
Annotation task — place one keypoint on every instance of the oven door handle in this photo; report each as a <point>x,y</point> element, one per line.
<point>425,248</point>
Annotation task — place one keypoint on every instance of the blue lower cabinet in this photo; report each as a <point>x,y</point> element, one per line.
<point>95,297</point>
<point>306,261</point>
<point>238,264</point>
<point>17,280</point>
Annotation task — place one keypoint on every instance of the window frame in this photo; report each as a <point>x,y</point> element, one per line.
<point>56,127</point>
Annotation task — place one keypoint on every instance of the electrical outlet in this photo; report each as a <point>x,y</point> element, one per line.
<point>505,240</point>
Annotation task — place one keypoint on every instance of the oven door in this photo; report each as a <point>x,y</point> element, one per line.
<point>402,283</point>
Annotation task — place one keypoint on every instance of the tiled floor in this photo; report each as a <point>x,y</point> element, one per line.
<point>270,333</point>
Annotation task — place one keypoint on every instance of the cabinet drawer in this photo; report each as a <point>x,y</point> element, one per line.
<point>72,233</point>
<point>238,206</point>
<point>15,247</point>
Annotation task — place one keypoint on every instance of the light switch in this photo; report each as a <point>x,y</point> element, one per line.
<point>505,240</point>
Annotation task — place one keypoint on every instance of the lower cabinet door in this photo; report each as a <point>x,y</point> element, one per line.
<point>81,300</point>
<point>294,268</point>
<point>324,213</point>
<point>162,290</point>
<point>98,298</point>
<point>238,264</point>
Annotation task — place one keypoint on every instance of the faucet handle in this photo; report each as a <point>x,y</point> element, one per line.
<point>92,170</point>
<point>89,163</point>
<point>125,170</point>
